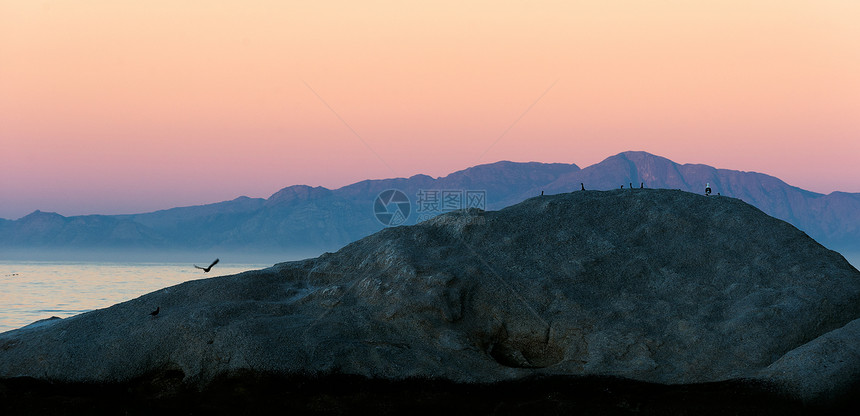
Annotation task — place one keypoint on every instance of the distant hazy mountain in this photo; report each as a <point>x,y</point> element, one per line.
<point>315,219</point>
<point>833,219</point>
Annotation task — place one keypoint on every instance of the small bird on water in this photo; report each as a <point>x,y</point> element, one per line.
<point>206,269</point>
<point>155,312</point>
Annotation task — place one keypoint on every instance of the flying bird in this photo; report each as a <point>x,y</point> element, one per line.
<point>206,269</point>
<point>155,312</point>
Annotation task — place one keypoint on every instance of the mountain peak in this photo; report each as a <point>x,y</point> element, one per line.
<point>507,165</point>
<point>38,214</point>
<point>637,156</point>
<point>298,193</point>
<point>507,171</point>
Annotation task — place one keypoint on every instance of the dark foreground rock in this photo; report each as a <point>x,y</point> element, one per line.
<point>657,286</point>
<point>255,393</point>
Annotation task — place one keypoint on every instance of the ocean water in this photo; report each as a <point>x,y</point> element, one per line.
<point>853,258</point>
<point>30,291</point>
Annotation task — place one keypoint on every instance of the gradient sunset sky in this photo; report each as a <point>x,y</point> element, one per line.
<point>131,106</point>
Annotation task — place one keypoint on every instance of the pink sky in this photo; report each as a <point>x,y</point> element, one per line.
<point>119,107</point>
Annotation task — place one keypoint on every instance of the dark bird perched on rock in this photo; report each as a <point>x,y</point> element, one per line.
<point>582,185</point>
<point>641,185</point>
<point>622,186</point>
<point>206,269</point>
<point>631,185</point>
<point>156,311</point>
<point>541,193</point>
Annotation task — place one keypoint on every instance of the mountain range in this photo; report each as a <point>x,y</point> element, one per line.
<point>310,220</point>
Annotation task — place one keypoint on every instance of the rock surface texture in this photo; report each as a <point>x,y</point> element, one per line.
<point>654,285</point>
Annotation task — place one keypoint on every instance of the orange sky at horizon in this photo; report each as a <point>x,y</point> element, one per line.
<point>118,107</point>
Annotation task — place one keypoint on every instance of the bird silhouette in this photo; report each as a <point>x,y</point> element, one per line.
<point>582,185</point>
<point>206,269</point>
<point>155,312</point>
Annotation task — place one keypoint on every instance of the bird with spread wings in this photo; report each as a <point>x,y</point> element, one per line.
<point>206,269</point>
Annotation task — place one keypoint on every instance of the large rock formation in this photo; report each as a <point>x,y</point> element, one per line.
<point>654,285</point>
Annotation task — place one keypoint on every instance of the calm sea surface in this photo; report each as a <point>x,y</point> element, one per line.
<point>30,291</point>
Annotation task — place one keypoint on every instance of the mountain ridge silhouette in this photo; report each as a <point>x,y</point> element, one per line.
<point>321,219</point>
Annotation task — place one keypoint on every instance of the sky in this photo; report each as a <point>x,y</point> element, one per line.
<point>115,107</point>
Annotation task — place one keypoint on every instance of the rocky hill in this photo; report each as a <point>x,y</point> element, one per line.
<point>654,285</point>
<point>832,219</point>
